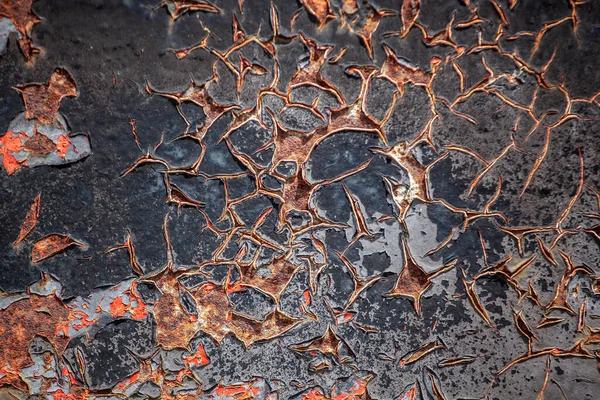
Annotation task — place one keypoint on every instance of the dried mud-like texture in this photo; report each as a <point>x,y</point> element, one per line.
<point>321,199</point>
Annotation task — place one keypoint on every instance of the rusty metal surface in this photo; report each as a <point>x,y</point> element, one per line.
<point>322,199</point>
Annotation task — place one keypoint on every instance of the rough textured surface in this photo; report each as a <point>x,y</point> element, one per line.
<point>311,200</point>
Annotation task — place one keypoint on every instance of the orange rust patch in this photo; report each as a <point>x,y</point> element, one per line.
<point>42,101</point>
<point>19,12</point>
<point>30,220</point>
<point>51,245</point>
<point>20,322</point>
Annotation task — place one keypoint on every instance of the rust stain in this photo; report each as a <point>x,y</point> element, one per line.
<point>51,245</point>
<point>413,281</point>
<point>42,101</point>
<point>409,12</point>
<point>20,322</point>
<point>30,220</point>
<point>422,352</point>
<point>177,8</point>
<point>19,12</point>
<point>320,9</point>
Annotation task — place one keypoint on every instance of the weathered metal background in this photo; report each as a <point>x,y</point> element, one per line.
<point>324,199</point>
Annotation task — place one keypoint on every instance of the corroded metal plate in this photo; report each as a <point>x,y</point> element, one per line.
<point>322,199</point>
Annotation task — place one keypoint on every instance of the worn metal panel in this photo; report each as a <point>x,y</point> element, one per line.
<point>322,199</point>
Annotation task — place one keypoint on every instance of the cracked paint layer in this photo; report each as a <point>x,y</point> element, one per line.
<point>323,199</point>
